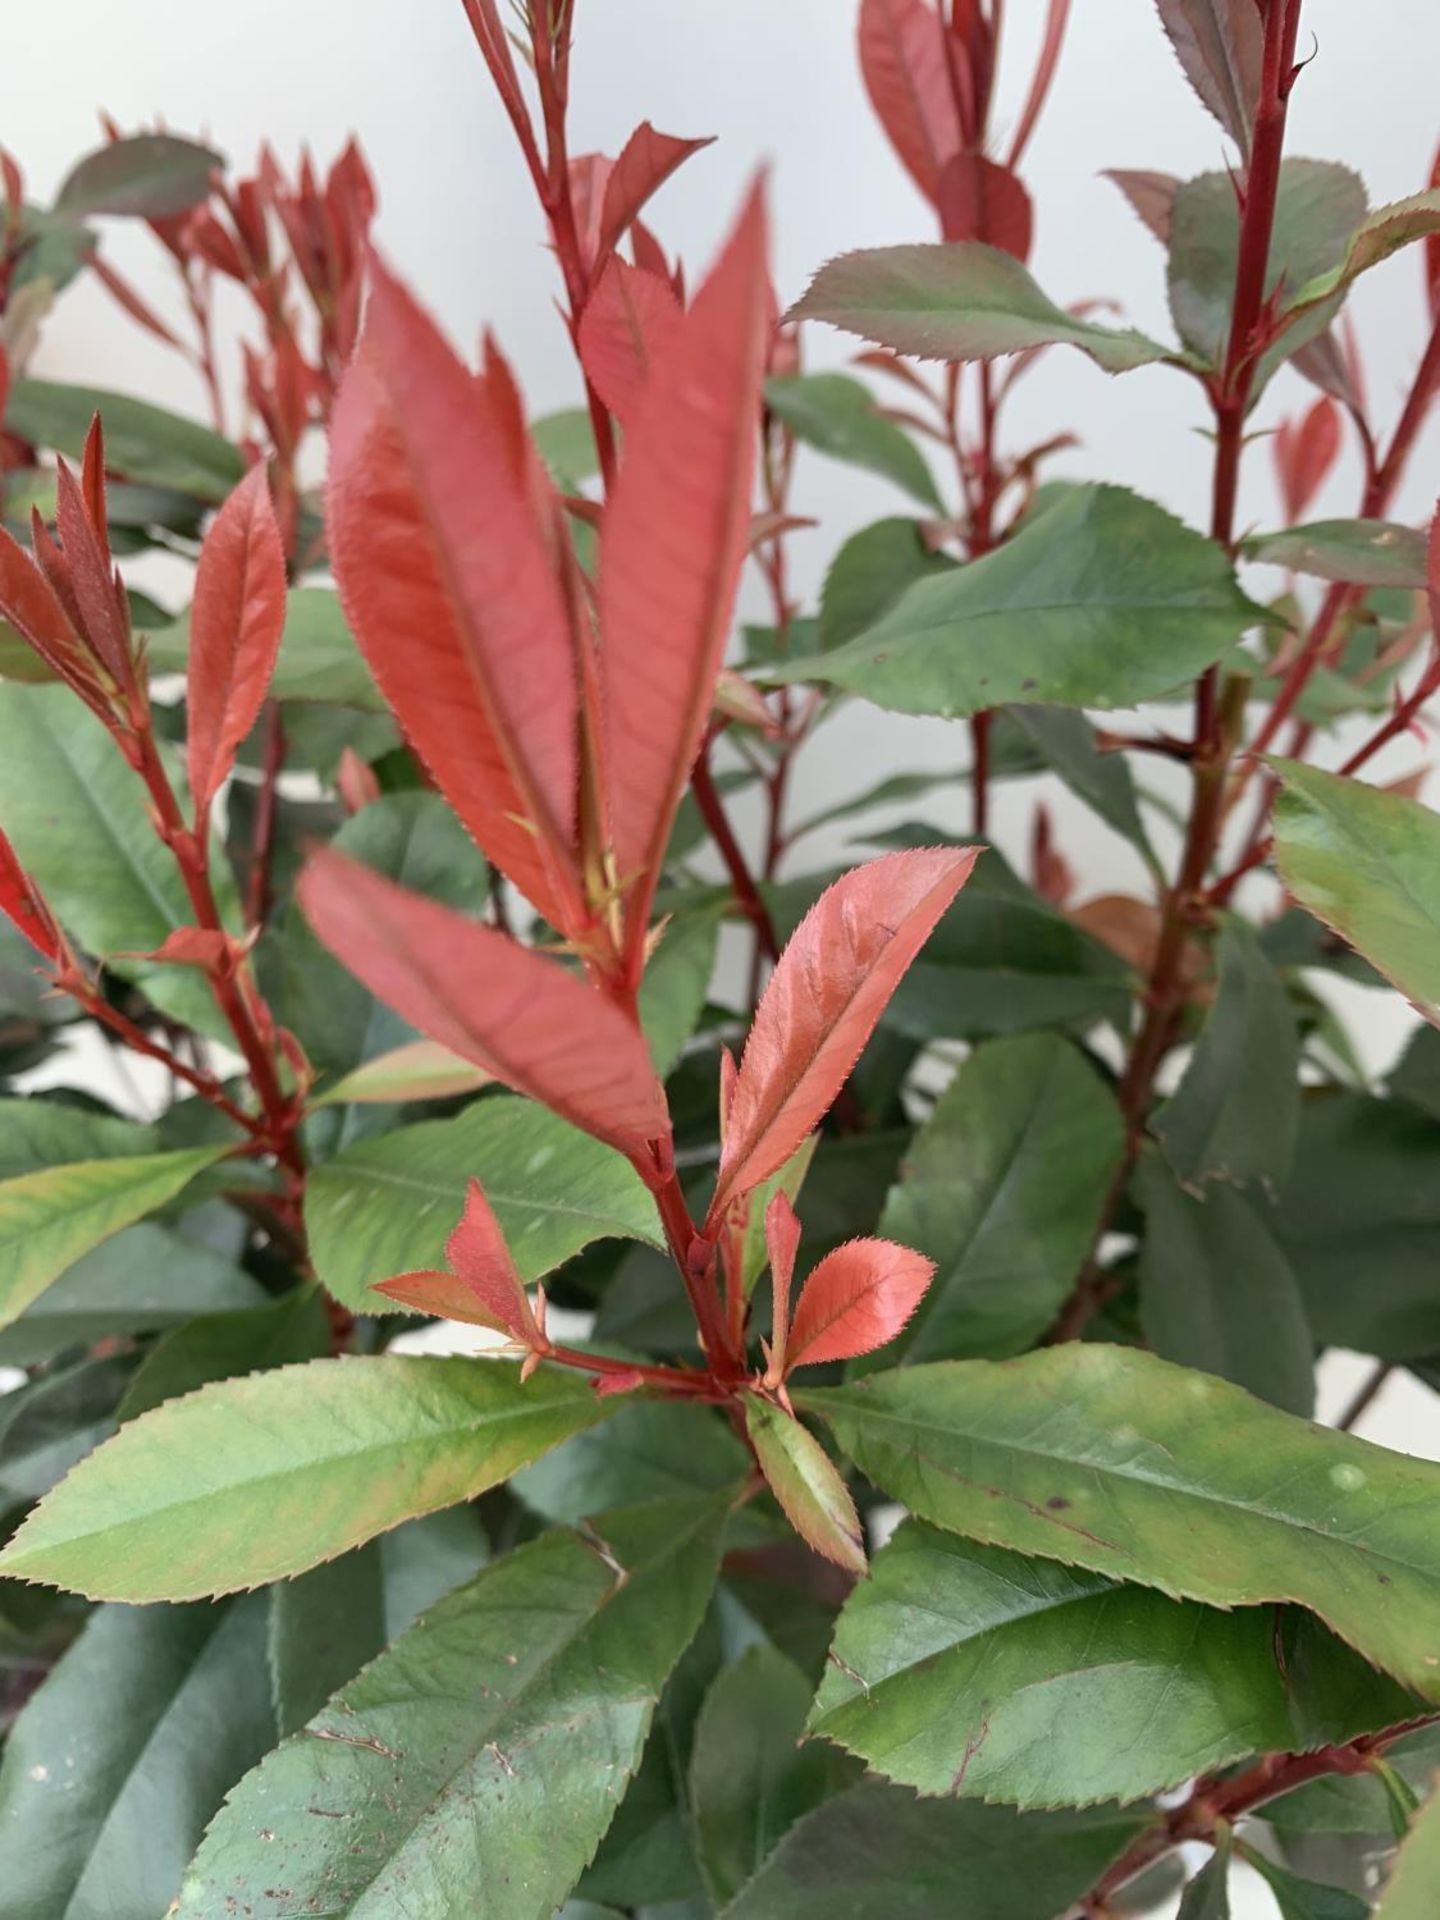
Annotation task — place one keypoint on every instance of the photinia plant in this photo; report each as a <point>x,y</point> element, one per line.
<point>597,1371</point>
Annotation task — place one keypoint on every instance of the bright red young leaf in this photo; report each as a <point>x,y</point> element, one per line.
<point>782,1242</point>
<point>1304,452</point>
<point>445,574</point>
<point>482,1288</point>
<point>23,907</point>
<point>827,992</point>
<point>28,600</point>
<point>87,571</point>
<point>676,531</point>
<point>528,1021</point>
<point>902,57</point>
<point>646,162</point>
<point>629,320</point>
<point>236,621</point>
<point>980,200</point>
<point>856,1299</point>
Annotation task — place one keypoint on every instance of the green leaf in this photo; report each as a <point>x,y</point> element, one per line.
<point>151,175</point>
<point>141,1280</point>
<point>1359,1803</point>
<point>1414,1880</point>
<point>37,1132</point>
<point>387,1206</point>
<point>222,1346</point>
<point>869,574</point>
<point>413,838</point>
<point>142,442</point>
<point>646,1450</point>
<point>79,820</point>
<point>1234,1115</point>
<point>52,1421</point>
<point>959,302</point>
<point>318,659</point>
<point>334,1452</point>
<point>807,1484</point>
<point>50,1218</point>
<point>1389,228</point>
<point>328,1623</point>
<point>474,1768</point>
<point>114,1767</point>
<point>565,441</point>
<point>1065,740</point>
<point>1318,206</point>
<point>750,1779</point>
<point>879,1853</point>
<point>1300,1899</point>
<point>1111,1459</point>
<point>1216,1291</point>
<point>1368,553</point>
<point>838,415</point>
<point>1359,1222</point>
<point>969,1670</point>
<point>676,983</point>
<point>1104,601</point>
<point>417,1070</point>
<point>1367,864</point>
<point>1208,1895</point>
<point>1003,1188</point>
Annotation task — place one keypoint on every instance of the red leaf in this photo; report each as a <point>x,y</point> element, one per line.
<point>1220,44</point>
<point>1151,196</point>
<point>482,1288</point>
<point>32,606</point>
<point>87,565</point>
<point>980,200</point>
<point>856,1299</point>
<point>827,992</point>
<point>589,175</point>
<point>235,626</point>
<point>675,536</point>
<point>445,575</point>
<point>1432,252</point>
<point>524,1018</point>
<point>902,58</point>
<point>204,947</point>
<point>1432,573</point>
<point>646,162</point>
<point>1304,455</point>
<point>23,907</point>
<point>629,320</point>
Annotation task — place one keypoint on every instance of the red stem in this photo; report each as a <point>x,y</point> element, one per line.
<point>747,893</point>
<point>262,846</point>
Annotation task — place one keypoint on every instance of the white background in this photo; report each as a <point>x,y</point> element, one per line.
<point>777,81</point>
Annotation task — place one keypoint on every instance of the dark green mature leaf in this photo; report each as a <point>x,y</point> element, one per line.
<point>1235,1112</point>
<point>838,415</point>
<point>1217,1293</point>
<point>388,1206</point>
<point>1208,1895</point>
<point>969,1670</point>
<point>79,820</point>
<point>1103,601</point>
<point>1300,1899</point>
<point>1369,553</point>
<point>1367,864</point>
<point>151,175</point>
<point>474,1768</point>
<point>1065,740</point>
<point>1359,1221</point>
<point>1003,1188</point>
<point>141,442</point>
<point>415,839</point>
<point>646,1450</point>
<point>176,1507</point>
<point>959,302</point>
<point>326,1624</point>
<point>318,659</point>
<point>115,1766</point>
<point>1415,1877</point>
<point>750,1779</point>
<point>676,983</point>
<point>1111,1459</point>
<point>879,1853</point>
<point>221,1346</point>
<point>1318,207</point>
<point>869,574</point>
<point>143,1279</point>
<point>1415,1077</point>
<point>51,1218</point>
<point>53,1421</point>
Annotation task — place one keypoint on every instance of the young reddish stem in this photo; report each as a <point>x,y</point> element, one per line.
<point>1216,721</point>
<point>747,892</point>
<point>1212,1804</point>
<point>695,1258</point>
<point>262,845</point>
<point>687,1381</point>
